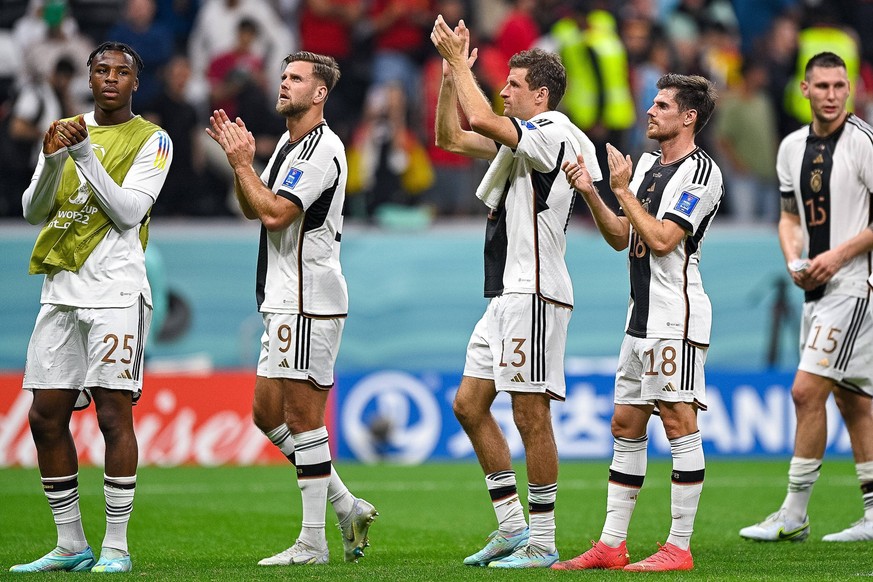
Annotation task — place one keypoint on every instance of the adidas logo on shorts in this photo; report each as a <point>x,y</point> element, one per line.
<point>668,388</point>
<point>125,375</point>
<point>517,378</point>
<point>284,363</point>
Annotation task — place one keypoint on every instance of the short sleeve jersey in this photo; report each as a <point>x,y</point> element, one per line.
<point>525,238</point>
<point>114,274</point>
<point>667,299</point>
<point>831,178</point>
<point>299,267</point>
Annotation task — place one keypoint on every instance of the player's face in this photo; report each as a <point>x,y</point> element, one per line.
<point>298,89</point>
<point>665,121</point>
<point>518,96</point>
<point>827,89</point>
<point>113,80</point>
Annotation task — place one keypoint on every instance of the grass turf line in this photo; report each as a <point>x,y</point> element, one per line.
<point>195,523</point>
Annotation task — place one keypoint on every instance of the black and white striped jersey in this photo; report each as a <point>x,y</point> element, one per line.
<point>832,179</point>
<point>667,299</point>
<point>525,238</point>
<point>299,267</point>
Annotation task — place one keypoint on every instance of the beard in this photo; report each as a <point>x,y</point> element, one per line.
<point>290,109</point>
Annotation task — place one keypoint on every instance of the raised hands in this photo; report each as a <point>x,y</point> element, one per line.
<point>620,169</point>
<point>237,142</point>
<point>62,134</point>
<point>452,44</point>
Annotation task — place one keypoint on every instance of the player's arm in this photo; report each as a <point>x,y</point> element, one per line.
<point>661,236</point>
<point>39,197</point>
<point>791,240</point>
<point>256,200</point>
<point>614,229</point>
<point>126,204</point>
<point>824,266</point>
<point>450,136</point>
<point>453,48</point>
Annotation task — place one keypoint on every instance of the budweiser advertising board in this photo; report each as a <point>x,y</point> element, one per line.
<point>180,419</point>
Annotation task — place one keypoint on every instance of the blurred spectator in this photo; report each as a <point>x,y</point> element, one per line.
<point>35,106</point>
<point>755,18</point>
<point>47,34</point>
<point>185,192</point>
<point>334,28</point>
<point>455,176</point>
<point>598,97</point>
<point>10,59</point>
<point>745,131</point>
<point>152,40</point>
<point>517,31</point>
<point>401,32</point>
<point>95,17</point>
<point>658,61</point>
<point>215,33</point>
<point>178,16</point>
<point>823,32</point>
<point>779,55</point>
<point>720,55</point>
<point>236,72</point>
<point>387,163</point>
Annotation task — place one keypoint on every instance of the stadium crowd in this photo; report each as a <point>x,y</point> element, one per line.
<point>204,54</point>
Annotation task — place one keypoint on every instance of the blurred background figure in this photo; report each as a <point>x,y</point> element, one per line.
<point>149,38</point>
<point>215,32</point>
<point>388,166</point>
<point>34,107</point>
<point>186,190</point>
<point>745,131</point>
<point>44,36</point>
<point>337,28</point>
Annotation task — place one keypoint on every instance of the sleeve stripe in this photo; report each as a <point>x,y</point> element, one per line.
<point>311,142</point>
<point>163,150</point>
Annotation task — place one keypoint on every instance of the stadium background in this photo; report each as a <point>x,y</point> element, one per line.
<point>415,296</point>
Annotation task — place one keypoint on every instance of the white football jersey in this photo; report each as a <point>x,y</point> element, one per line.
<point>299,267</point>
<point>667,298</point>
<point>525,238</point>
<point>831,178</point>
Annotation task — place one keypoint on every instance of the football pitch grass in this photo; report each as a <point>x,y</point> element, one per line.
<point>194,523</point>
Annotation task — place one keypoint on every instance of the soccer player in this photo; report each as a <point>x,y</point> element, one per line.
<point>518,345</point>
<point>97,178</point>
<point>666,209</point>
<point>301,294</point>
<point>826,176</point>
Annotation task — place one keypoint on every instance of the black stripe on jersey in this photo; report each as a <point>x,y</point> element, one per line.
<point>496,247</point>
<point>302,345</point>
<point>277,163</point>
<point>543,182</point>
<point>317,212</point>
<point>704,168</point>
<point>815,194</point>
<point>292,197</point>
<point>863,127</point>
<point>538,340</point>
<point>140,343</point>
<point>261,273</point>
<point>517,130</point>
<point>686,378</point>
<point>310,142</point>
<point>692,243</point>
<point>845,353</point>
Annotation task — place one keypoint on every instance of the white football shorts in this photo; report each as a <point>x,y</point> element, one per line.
<point>670,370</point>
<point>76,348</point>
<point>836,341</point>
<point>519,344</point>
<point>298,347</point>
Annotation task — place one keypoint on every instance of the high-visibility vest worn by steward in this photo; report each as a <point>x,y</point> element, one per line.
<point>810,42</point>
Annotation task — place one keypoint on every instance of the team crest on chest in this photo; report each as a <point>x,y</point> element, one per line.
<point>815,181</point>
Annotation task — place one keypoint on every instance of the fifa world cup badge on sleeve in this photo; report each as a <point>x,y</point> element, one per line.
<point>292,178</point>
<point>686,204</point>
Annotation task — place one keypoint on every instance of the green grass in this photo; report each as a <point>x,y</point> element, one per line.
<point>194,523</point>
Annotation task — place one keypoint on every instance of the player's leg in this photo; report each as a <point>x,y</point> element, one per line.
<point>627,470</point>
<point>673,378</point>
<point>49,419</point>
<point>115,419</point>
<point>472,408</point>
<point>55,358</point>
<point>530,367</point>
<point>857,413</point>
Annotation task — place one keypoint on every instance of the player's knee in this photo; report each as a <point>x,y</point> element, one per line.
<point>466,411</point>
<point>46,427</point>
